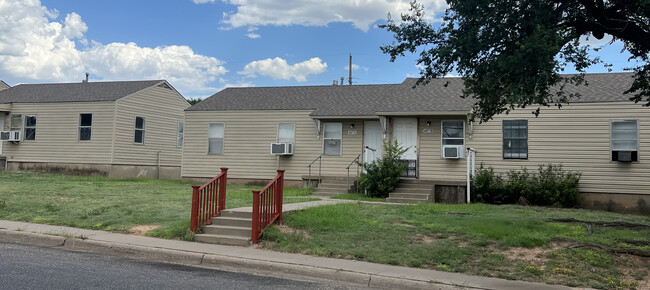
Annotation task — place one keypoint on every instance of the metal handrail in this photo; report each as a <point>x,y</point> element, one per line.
<point>356,160</point>
<point>320,162</point>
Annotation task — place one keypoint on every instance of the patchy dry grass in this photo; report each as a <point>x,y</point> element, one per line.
<point>510,242</point>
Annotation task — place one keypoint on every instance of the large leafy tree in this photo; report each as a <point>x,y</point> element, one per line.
<point>511,52</point>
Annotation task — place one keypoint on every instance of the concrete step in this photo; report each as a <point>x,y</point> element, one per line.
<point>334,179</point>
<point>415,185</point>
<point>237,214</point>
<point>405,200</point>
<point>232,221</point>
<point>413,190</point>
<point>223,239</point>
<point>332,185</point>
<point>327,193</point>
<point>409,195</point>
<point>244,232</point>
<point>416,181</point>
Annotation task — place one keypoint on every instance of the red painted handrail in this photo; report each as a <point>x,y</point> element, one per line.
<point>267,206</point>
<point>208,200</point>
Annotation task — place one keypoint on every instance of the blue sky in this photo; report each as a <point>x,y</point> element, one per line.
<point>202,46</point>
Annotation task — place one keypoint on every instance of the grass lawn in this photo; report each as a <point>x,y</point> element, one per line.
<point>111,204</point>
<point>510,242</point>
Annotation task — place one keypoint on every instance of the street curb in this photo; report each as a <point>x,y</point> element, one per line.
<point>220,262</point>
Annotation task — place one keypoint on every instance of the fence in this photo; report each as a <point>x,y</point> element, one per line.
<point>267,205</point>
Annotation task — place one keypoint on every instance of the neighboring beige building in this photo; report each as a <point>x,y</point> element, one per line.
<point>130,129</point>
<point>234,128</point>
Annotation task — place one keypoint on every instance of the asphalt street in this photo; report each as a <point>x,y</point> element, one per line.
<point>29,267</point>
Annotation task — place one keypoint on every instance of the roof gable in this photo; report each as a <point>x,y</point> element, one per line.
<point>73,92</point>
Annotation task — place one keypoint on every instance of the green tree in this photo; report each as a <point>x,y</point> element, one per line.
<point>194,101</point>
<point>510,53</point>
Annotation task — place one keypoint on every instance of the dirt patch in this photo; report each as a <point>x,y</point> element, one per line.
<point>532,256</point>
<point>142,229</point>
<point>287,230</point>
<point>634,268</point>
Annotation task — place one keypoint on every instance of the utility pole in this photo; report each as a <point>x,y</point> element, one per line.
<point>350,69</point>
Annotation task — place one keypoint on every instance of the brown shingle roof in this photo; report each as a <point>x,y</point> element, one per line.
<point>72,92</point>
<point>440,95</point>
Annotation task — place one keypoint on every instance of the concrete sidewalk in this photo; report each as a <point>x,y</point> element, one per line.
<point>249,260</point>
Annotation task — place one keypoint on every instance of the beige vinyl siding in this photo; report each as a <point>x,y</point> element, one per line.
<point>578,137</point>
<point>5,107</point>
<point>431,163</point>
<point>248,135</point>
<point>162,109</point>
<point>57,129</point>
<point>3,86</point>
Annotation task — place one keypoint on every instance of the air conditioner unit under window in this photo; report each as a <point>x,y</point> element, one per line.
<point>10,136</point>
<point>625,156</point>
<point>453,151</point>
<point>282,148</point>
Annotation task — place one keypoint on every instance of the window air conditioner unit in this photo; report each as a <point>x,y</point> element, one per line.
<point>453,151</point>
<point>625,156</point>
<point>13,136</point>
<point>282,148</point>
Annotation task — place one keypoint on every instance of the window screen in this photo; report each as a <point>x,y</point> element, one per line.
<point>215,138</point>
<point>515,139</point>
<point>85,127</point>
<point>286,133</point>
<point>332,135</point>
<point>139,130</point>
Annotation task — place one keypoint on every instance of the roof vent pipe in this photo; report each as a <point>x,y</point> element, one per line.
<point>342,80</point>
<point>335,83</point>
<point>86,80</point>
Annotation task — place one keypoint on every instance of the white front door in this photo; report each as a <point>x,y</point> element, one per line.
<point>372,141</point>
<point>405,131</point>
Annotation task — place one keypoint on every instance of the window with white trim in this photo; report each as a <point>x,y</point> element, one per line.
<point>286,133</point>
<point>16,122</point>
<point>179,136</point>
<point>453,132</point>
<point>215,138</point>
<point>138,136</point>
<point>30,128</point>
<point>624,137</point>
<point>332,135</point>
<point>85,127</point>
<point>515,139</point>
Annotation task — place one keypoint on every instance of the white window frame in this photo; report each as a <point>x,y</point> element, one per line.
<point>83,127</point>
<point>223,139</point>
<point>503,139</point>
<point>611,137</point>
<point>143,129</point>
<point>286,140</point>
<point>442,133</point>
<point>20,122</point>
<point>180,134</point>
<point>25,127</point>
<point>340,124</point>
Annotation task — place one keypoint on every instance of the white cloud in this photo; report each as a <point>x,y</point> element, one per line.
<point>361,13</point>
<point>35,47</point>
<point>355,67</point>
<point>278,68</point>
<point>253,35</point>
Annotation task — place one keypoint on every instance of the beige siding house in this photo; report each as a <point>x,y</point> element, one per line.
<point>118,129</point>
<point>602,134</point>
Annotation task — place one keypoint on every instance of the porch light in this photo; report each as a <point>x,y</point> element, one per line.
<point>428,123</point>
<point>352,126</point>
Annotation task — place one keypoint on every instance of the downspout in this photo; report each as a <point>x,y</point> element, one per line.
<point>158,164</point>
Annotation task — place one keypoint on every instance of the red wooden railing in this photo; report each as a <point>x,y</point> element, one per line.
<point>267,205</point>
<point>208,200</point>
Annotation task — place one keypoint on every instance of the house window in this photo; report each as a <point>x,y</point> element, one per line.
<point>85,127</point>
<point>286,133</point>
<point>332,134</point>
<point>215,138</point>
<point>30,127</point>
<point>16,122</point>
<point>179,136</point>
<point>453,132</point>
<point>624,140</point>
<point>138,137</point>
<point>515,139</point>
